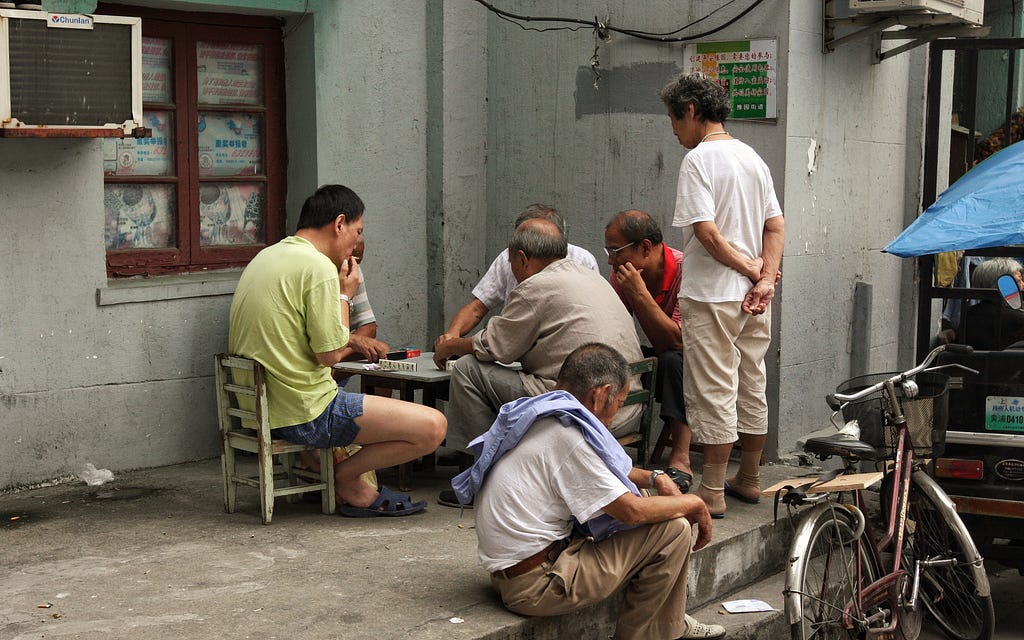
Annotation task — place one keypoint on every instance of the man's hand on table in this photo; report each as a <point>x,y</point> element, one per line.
<point>445,347</point>
<point>370,348</point>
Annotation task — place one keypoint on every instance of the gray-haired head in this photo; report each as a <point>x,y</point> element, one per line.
<point>538,211</point>
<point>538,238</point>
<point>593,365</point>
<point>636,226</point>
<point>709,99</point>
<point>987,273</point>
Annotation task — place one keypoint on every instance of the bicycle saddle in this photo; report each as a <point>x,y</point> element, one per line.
<point>839,445</point>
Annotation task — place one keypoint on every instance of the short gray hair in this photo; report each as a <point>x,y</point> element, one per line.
<point>538,211</point>
<point>593,365</point>
<point>987,273</point>
<point>709,99</point>
<point>538,239</point>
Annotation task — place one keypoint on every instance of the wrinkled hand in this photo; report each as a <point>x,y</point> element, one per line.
<point>442,349</point>
<point>665,487</point>
<point>370,348</point>
<point>756,301</point>
<point>630,280</point>
<point>348,277</point>
<point>753,269</point>
<point>701,518</point>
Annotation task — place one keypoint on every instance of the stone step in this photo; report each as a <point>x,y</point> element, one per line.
<point>768,625</point>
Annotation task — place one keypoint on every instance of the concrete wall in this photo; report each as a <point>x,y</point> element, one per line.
<point>860,123</point>
<point>120,385</point>
<point>119,373</point>
<point>591,152</point>
<point>448,121</point>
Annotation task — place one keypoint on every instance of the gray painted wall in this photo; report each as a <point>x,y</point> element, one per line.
<point>590,152</point>
<point>448,121</point>
<point>121,386</point>
<point>862,123</point>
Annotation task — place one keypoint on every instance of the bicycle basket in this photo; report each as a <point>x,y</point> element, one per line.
<point>927,414</point>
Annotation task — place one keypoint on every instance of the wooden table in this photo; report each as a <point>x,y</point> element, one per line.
<point>428,379</point>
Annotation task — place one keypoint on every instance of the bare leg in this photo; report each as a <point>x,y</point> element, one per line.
<point>679,457</point>
<point>390,432</point>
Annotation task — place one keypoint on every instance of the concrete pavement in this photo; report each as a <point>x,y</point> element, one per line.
<point>153,554</point>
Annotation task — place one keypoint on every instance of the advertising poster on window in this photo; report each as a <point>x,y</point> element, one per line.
<point>229,144</point>
<point>139,216</point>
<point>747,70</point>
<point>150,156</point>
<point>229,73</point>
<point>230,213</point>
<point>156,70</point>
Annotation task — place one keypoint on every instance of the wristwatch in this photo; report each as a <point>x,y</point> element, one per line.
<point>655,474</point>
<point>342,296</point>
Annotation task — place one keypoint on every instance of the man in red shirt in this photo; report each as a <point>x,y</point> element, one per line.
<point>646,274</point>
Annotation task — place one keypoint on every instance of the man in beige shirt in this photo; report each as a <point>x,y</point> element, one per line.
<point>556,306</point>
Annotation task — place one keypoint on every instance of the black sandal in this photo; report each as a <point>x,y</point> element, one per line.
<point>682,479</point>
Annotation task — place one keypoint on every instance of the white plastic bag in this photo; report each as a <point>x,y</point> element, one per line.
<point>94,477</point>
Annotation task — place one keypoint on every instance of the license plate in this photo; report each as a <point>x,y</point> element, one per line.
<point>1004,413</point>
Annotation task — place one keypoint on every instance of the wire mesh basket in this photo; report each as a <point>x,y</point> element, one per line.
<point>927,414</point>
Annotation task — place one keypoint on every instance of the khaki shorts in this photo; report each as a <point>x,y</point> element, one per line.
<point>723,370</point>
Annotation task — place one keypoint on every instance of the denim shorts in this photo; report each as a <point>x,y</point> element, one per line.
<point>335,427</point>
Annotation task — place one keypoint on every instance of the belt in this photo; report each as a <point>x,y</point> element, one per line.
<point>549,553</point>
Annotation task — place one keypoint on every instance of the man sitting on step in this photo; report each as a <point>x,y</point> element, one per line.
<point>549,462</point>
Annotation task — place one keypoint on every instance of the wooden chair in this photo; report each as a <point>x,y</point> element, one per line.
<point>242,396</point>
<point>647,369</point>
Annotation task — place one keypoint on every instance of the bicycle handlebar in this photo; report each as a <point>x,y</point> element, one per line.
<point>836,400</point>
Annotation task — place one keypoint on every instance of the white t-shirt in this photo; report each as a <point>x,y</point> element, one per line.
<point>725,182</point>
<point>534,490</point>
<point>498,282</point>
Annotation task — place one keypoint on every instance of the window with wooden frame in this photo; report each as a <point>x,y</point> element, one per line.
<point>207,189</point>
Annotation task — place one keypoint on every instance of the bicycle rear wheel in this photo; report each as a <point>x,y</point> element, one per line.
<point>957,594</point>
<point>822,576</point>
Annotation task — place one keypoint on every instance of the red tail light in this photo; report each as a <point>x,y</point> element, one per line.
<point>959,468</point>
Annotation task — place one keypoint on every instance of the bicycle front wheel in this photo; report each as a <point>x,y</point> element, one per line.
<point>953,586</point>
<point>827,561</point>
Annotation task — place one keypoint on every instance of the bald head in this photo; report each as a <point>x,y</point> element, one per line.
<point>538,239</point>
<point>535,244</point>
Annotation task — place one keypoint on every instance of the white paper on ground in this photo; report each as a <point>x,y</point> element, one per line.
<point>747,606</point>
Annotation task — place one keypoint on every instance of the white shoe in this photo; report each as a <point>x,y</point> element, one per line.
<point>700,631</point>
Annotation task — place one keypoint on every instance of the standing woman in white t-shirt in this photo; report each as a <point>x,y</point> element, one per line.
<point>733,234</point>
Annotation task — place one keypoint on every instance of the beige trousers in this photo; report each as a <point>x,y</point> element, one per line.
<point>651,561</point>
<point>723,370</point>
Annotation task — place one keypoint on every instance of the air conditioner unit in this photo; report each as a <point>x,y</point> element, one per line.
<point>963,11</point>
<point>70,74</point>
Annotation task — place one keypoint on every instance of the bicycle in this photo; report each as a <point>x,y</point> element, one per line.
<point>843,580</point>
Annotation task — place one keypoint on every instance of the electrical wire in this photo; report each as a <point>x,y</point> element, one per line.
<point>694,23</point>
<point>633,33</point>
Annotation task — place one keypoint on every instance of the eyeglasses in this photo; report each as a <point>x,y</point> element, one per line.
<point>611,253</point>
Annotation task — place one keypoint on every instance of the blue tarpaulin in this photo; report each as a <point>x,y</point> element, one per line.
<point>984,208</point>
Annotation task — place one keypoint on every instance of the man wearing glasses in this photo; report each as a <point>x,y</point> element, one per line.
<point>646,274</point>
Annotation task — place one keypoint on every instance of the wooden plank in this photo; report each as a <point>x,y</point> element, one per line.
<point>848,482</point>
